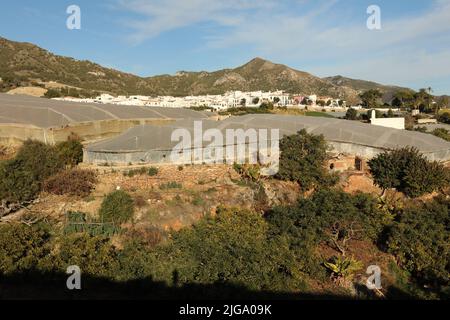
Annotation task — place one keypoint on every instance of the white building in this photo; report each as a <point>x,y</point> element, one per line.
<point>396,123</point>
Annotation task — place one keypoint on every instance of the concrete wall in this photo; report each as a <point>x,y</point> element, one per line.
<point>396,123</point>
<point>88,131</point>
<point>352,151</point>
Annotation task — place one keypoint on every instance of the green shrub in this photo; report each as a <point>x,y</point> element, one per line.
<point>70,152</point>
<point>21,178</point>
<point>22,247</point>
<point>71,182</point>
<point>117,207</point>
<point>231,248</point>
<point>343,268</point>
<point>408,171</point>
<point>171,185</point>
<point>303,159</point>
<point>52,93</point>
<point>95,255</point>
<point>442,133</point>
<point>152,171</point>
<point>330,217</point>
<point>248,172</point>
<point>420,241</point>
<point>351,114</point>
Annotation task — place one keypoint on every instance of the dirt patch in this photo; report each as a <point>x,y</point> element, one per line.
<point>362,182</point>
<point>29,91</point>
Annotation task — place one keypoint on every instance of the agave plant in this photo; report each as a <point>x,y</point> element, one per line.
<point>343,269</point>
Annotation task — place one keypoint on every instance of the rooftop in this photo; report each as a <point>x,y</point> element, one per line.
<point>151,137</point>
<point>46,113</point>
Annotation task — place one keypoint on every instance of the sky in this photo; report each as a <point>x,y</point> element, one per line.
<point>323,37</point>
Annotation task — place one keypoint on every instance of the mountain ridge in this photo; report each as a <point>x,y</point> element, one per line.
<point>24,62</point>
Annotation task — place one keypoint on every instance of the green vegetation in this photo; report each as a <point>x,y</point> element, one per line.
<point>117,207</point>
<point>442,133</point>
<point>419,240</point>
<point>444,117</point>
<point>371,98</point>
<point>21,178</point>
<point>408,171</point>
<point>303,159</point>
<point>342,268</point>
<point>289,249</point>
<point>70,151</point>
<point>317,114</point>
<point>171,185</point>
<point>351,114</point>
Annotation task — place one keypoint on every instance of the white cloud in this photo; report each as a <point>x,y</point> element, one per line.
<point>159,16</point>
<point>408,48</point>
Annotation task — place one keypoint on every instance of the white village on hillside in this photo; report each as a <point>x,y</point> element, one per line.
<point>235,99</point>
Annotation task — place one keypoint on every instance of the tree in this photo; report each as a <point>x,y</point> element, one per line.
<point>276,100</point>
<point>22,247</point>
<point>419,240</point>
<point>321,103</point>
<point>21,178</point>
<point>243,102</point>
<point>407,171</point>
<point>371,98</point>
<point>329,217</point>
<point>403,98</point>
<point>303,159</point>
<point>266,106</point>
<point>255,100</point>
<point>231,248</point>
<point>351,114</point>
<point>70,152</point>
<point>444,117</point>
<point>423,100</point>
<point>117,207</point>
<point>52,93</point>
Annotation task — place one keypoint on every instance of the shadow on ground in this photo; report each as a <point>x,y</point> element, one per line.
<point>46,286</point>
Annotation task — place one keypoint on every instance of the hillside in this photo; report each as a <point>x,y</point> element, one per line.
<point>24,64</point>
<point>363,85</point>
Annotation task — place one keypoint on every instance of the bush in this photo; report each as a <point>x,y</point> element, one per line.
<point>231,248</point>
<point>95,255</point>
<point>331,217</point>
<point>171,185</point>
<point>351,114</point>
<point>303,160</point>
<point>248,171</point>
<point>117,207</point>
<point>442,133</point>
<point>408,171</point>
<point>22,247</point>
<point>420,241</point>
<point>70,152</point>
<point>444,117</point>
<point>152,171</point>
<point>52,93</point>
<point>21,178</point>
<point>71,182</point>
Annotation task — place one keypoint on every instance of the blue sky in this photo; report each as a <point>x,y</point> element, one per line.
<point>149,37</point>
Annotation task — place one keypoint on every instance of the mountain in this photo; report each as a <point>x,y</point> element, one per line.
<point>24,64</point>
<point>363,85</point>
